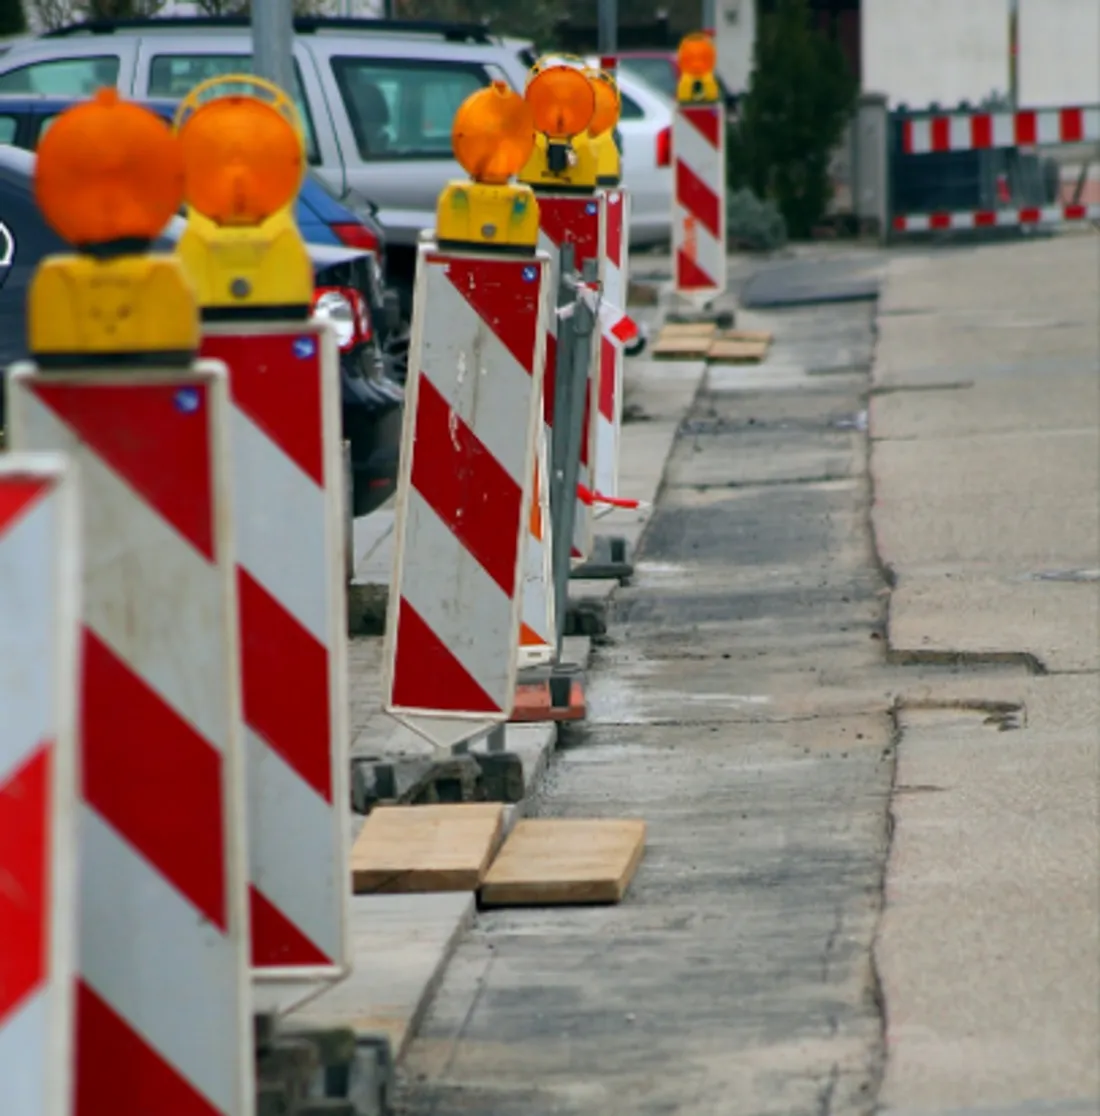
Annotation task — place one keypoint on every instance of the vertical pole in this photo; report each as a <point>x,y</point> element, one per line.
<point>608,32</point>
<point>1014,54</point>
<point>272,42</point>
<point>710,16</point>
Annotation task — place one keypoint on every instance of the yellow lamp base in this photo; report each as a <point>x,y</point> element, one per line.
<point>479,215</point>
<point>580,173</point>
<point>698,90</point>
<point>609,164</point>
<point>249,268</point>
<point>81,306</point>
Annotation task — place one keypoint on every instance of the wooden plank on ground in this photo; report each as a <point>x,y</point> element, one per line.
<point>745,335</point>
<point>553,861</point>
<point>684,348</point>
<point>737,352</point>
<point>402,849</point>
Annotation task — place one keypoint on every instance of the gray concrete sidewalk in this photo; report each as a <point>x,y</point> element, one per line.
<point>401,943</point>
<point>985,460</point>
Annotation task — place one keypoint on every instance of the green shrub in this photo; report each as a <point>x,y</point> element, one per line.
<point>800,98</point>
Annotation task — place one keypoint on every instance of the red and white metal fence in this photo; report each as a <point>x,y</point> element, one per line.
<point>39,604</point>
<point>981,131</point>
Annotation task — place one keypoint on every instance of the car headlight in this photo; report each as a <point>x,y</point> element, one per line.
<point>347,310</point>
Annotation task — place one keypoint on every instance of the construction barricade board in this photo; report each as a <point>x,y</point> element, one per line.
<point>39,607</point>
<point>577,219</point>
<point>615,327</point>
<point>537,633</point>
<point>464,495</point>
<point>699,199</point>
<point>285,435</point>
<point>162,995</point>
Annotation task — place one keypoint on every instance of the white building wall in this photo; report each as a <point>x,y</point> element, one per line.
<point>942,51</point>
<point>1059,61</point>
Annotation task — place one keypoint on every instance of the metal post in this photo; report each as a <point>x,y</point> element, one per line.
<point>570,381</point>
<point>710,16</point>
<point>272,42</point>
<point>1014,54</point>
<point>608,28</point>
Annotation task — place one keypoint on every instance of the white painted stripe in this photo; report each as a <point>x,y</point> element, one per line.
<point>545,244</point>
<point>25,1068</point>
<point>465,608</point>
<point>149,595</point>
<point>279,516</point>
<point>294,859</point>
<point>462,359</point>
<point>1090,124</point>
<point>1048,127</point>
<point>28,632</point>
<point>171,975</point>
<point>537,609</point>
<point>958,131</point>
<point>1004,129</point>
<point>921,135</point>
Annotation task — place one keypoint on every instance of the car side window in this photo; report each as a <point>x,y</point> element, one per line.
<point>175,75</point>
<point>404,110</point>
<point>9,125</point>
<point>630,109</point>
<point>62,77</point>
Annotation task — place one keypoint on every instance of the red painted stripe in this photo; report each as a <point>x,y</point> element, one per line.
<point>568,220</point>
<point>690,276</point>
<point>155,436</point>
<point>118,1071</point>
<point>1030,215</point>
<point>706,120</point>
<point>285,685</point>
<point>16,495</point>
<point>985,218</point>
<point>608,353</point>
<point>154,779</point>
<point>614,245</point>
<point>697,197</point>
<point>278,390</point>
<point>608,63</point>
<point>941,133</point>
<point>549,380</point>
<point>900,224</point>
<point>939,220</point>
<point>466,486</point>
<point>981,131</point>
<point>1075,212</point>
<point>505,295</point>
<point>276,941</point>
<point>427,676</point>
<point>1071,125</point>
<point>1027,128</point>
<point>25,874</point>
<point>907,136</point>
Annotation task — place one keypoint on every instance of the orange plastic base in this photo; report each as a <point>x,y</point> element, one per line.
<point>533,703</point>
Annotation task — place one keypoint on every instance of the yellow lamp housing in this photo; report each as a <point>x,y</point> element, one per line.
<point>698,89</point>
<point>565,165</point>
<point>245,271</point>
<point>132,309</point>
<point>244,160</point>
<point>483,215</point>
<point>609,162</point>
<point>697,58</point>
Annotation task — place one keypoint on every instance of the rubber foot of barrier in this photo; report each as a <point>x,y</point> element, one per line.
<point>609,561</point>
<point>550,694</point>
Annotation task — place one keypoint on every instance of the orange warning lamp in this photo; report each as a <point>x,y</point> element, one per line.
<point>108,178</point>
<point>108,170</point>
<point>563,103</point>
<point>697,58</point>
<point>244,161</point>
<point>608,103</point>
<point>493,134</point>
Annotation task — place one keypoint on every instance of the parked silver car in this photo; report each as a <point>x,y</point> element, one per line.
<point>378,97</point>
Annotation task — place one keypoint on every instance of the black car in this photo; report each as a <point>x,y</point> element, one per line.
<point>372,402</point>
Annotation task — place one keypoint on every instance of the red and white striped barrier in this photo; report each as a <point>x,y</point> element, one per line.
<point>284,385</point>
<point>162,999</point>
<point>537,632</point>
<point>39,603</point>
<point>616,330</point>
<point>980,131</point>
<point>578,220</point>
<point>995,218</point>
<point>464,491</point>
<point>699,199</point>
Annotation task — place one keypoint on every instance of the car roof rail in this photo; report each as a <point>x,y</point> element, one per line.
<point>450,30</point>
